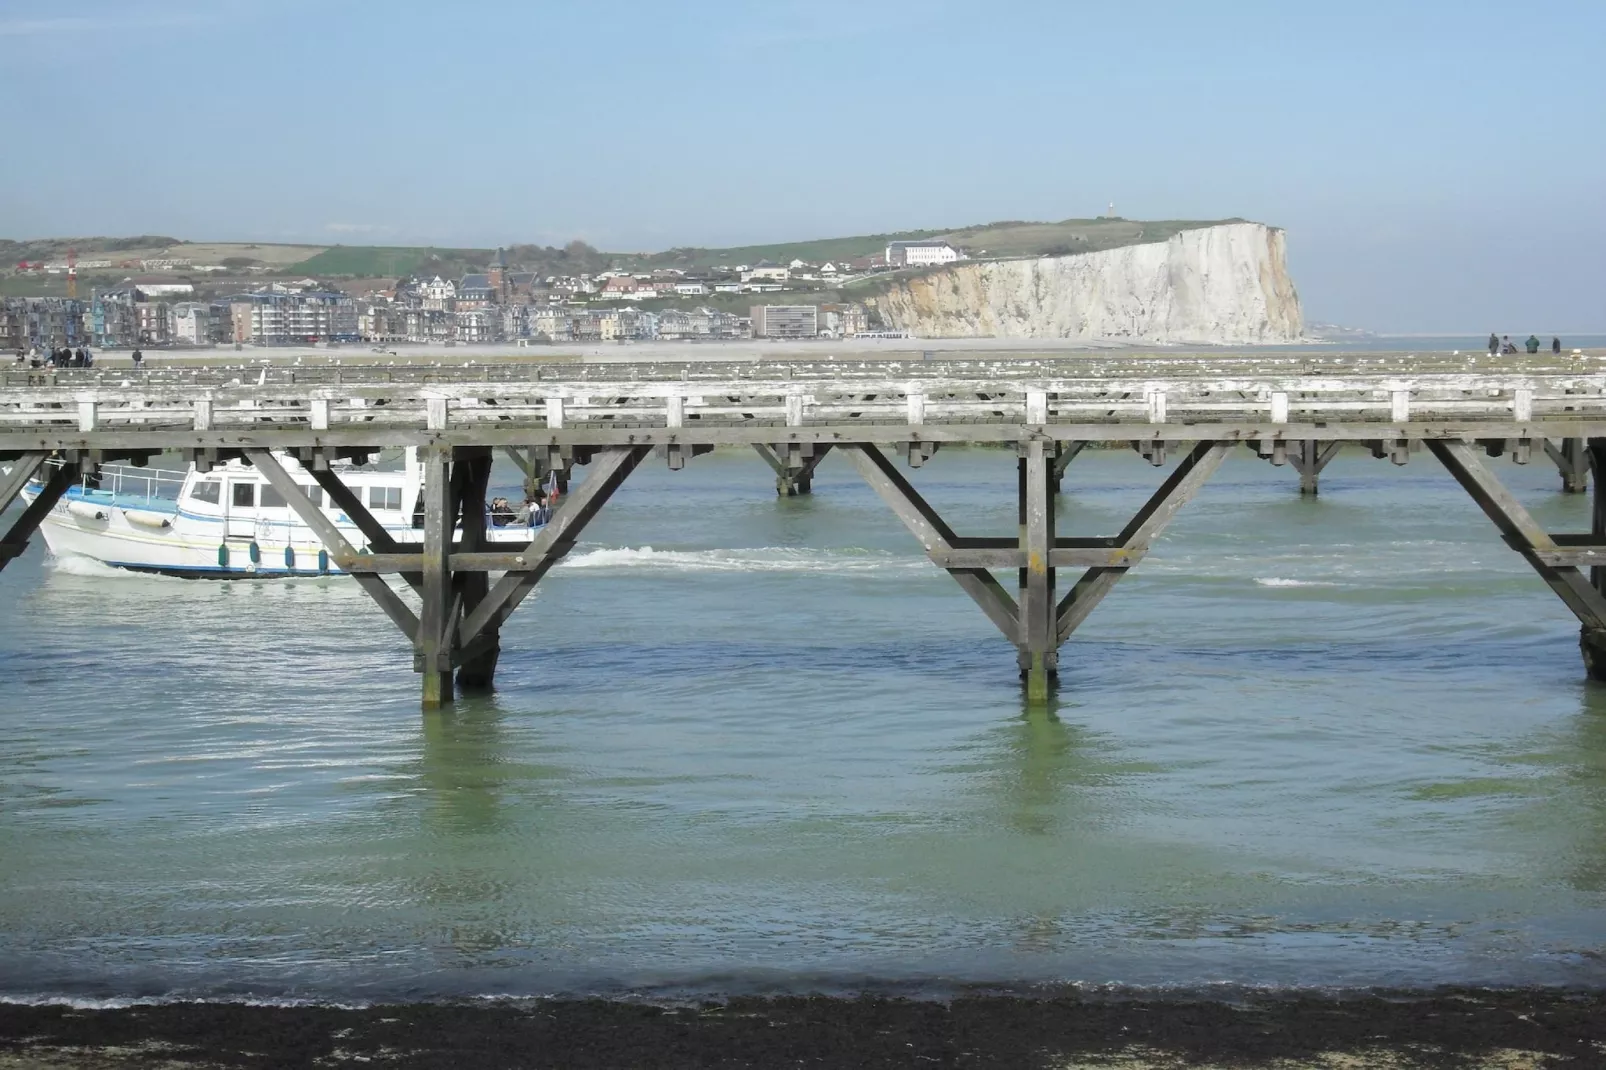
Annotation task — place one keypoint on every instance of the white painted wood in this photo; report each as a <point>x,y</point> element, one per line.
<point>916,409</point>
<point>86,415</point>
<point>794,410</point>
<point>1279,406</point>
<point>675,411</point>
<point>320,414</point>
<point>1522,404</point>
<point>436,413</point>
<point>1037,406</point>
<point>1400,406</point>
<point>1155,398</point>
<point>554,413</point>
<point>203,414</point>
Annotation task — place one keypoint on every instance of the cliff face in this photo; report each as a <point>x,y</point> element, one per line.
<point>1216,285</point>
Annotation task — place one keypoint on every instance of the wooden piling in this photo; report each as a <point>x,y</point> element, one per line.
<point>436,623</point>
<point>1038,643</point>
<point>471,479</point>
<point>1592,641</point>
<point>1572,461</point>
<point>1308,458</point>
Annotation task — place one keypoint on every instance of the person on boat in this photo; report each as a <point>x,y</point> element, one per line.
<point>534,512</point>
<point>502,513</point>
<point>1532,344</point>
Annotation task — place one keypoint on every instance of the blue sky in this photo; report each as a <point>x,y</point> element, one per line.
<point>1438,165</point>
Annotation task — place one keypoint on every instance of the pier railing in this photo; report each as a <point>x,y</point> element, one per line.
<point>881,407</point>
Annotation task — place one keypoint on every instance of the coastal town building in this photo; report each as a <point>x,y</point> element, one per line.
<point>920,253</point>
<point>197,324</point>
<point>765,271</point>
<point>43,322</point>
<point>785,321</point>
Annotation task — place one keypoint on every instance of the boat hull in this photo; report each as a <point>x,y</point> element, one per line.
<point>197,547</point>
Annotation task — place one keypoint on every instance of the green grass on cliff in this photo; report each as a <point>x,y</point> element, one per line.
<point>1010,238</point>
<point>382,261</point>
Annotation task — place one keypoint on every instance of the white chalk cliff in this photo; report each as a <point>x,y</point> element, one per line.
<point>1227,284</point>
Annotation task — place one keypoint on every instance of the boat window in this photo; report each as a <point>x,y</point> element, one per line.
<point>210,491</point>
<point>384,497</point>
<point>314,495</point>
<point>243,495</point>
<point>271,498</point>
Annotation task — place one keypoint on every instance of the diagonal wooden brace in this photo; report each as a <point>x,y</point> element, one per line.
<point>1190,474</point>
<point>1522,532</point>
<point>22,471</point>
<point>610,467</point>
<point>15,540</point>
<point>334,541</point>
<point>934,534</point>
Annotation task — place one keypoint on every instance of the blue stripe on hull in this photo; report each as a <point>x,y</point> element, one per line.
<point>215,572</point>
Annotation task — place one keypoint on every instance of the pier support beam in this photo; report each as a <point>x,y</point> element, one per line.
<point>1572,460</point>
<point>437,620</point>
<point>536,465</point>
<point>1309,457</point>
<point>610,466</point>
<point>1592,644</point>
<point>1064,454</point>
<point>471,481</point>
<point>1035,623</point>
<point>15,539</point>
<point>1039,631</point>
<point>458,628</point>
<point>1558,559</point>
<point>793,464</point>
<point>1185,480</point>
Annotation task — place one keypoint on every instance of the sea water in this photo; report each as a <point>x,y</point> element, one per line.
<point>742,743</point>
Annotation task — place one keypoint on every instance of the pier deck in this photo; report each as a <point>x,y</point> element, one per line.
<point>1292,409</point>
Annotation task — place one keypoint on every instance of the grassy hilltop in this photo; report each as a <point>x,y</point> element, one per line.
<point>247,264</point>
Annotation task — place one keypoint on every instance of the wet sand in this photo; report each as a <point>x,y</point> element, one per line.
<point>1470,1028</point>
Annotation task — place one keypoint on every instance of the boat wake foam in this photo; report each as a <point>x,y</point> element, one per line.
<point>754,559</point>
<point>1278,581</point>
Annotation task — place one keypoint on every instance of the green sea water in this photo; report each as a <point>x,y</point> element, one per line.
<point>746,744</point>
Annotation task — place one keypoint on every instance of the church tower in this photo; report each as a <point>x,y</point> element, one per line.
<point>497,276</point>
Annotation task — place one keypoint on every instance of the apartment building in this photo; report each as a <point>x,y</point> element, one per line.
<point>786,321</point>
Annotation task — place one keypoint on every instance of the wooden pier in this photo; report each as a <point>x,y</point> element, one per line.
<point>1184,415</point>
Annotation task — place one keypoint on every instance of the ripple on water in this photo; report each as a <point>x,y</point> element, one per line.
<point>742,742</point>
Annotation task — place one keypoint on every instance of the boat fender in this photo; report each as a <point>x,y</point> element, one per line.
<point>86,511</point>
<point>223,555</point>
<point>289,557</point>
<point>147,520</point>
<point>254,552</point>
<point>323,562</point>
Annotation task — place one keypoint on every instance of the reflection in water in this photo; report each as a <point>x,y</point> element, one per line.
<point>464,771</point>
<point>1052,772</point>
<point>463,767</point>
<point>1589,788</point>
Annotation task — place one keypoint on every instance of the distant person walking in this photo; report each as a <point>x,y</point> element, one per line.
<point>1555,345</point>
<point>1532,344</point>
<point>139,358</point>
<point>1494,344</point>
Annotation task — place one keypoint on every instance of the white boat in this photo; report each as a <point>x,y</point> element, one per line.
<point>229,522</point>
